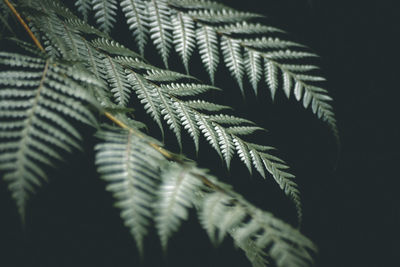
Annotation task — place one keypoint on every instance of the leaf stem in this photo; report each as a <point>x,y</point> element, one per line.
<point>26,27</point>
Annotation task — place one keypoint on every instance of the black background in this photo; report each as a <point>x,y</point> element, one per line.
<point>350,201</point>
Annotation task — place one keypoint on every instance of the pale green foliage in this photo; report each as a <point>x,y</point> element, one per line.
<point>131,169</point>
<point>45,99</point>
<point>38,99</point>
<point>247,47</point>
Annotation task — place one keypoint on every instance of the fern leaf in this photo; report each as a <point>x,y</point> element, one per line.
<point>208,49</point>
<point>222,15</point>
<point>38,100</point>
<point>205,106</point>
<point>197,4</point>
<point>135,14</point>
<point>271,77</point>
<point>285,181</point>
<point>105,13</point>
<point>208,130</point>
<point>287,84</point>
<point>160,27</point>
<point>244,130</point>
<point>225,143</point>
<point>170,114</point>
<point>257,232</point>
<point>287,54</point>
<point>187,89</point>
<point>253,67</point>
<point>228,119</point>
<point>83,6</point>
<point>113,48</point>
<point>243,152</point>
<point>184,37</point>
<point>245,27</point>
<point>188,119</point>
<point>231,51</point>
<point>175,197</point>
<point>130,168</point>
<point>146,95</point>
<point>269,43</point>
<point>159,75</point>
<point>118,81</point>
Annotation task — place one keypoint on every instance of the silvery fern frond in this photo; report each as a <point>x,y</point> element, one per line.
<point>175,195</point>
<point>244,45</point>
<point>47,97</point>
<point>84,7</point>
<point>135,13</point>
<point>184,37</point>
<point>40,99</point>
<point>131,169</point>
<point>104,13</point>
<point>160,27</point>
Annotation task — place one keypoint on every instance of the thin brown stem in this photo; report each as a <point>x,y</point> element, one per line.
<point>26,27</point>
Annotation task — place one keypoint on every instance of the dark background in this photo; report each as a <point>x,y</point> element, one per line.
<point>350,200</point>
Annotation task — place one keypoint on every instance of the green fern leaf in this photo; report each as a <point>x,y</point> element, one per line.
<point>84,7</point>
<point>253,67</point>
<point>119,84</point>
<point>245,27</point>
<point>222,15</point>
<point>208,49</point>
<point>135,13</point>
<point>105,13</point>
<point>231,51</point>
<point>184,37</point>
<point>38,99</point>
<point>130,167</point>
<point>160,27</point>
<point>175,196</point>
<point>186,89</point>
<point>146,95</point>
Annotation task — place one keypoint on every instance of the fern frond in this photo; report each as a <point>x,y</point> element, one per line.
<point>146,94</point>
<point>84,7</point>
<point>113,48</point>
<point>184,37</point>
<point>105,13</point>
<point>197,4</point>
<point>257,232</point>
<point>271,77</point>
<point>245,27</point>
<point>253,67</point>
<point>116,77</point>
<point>269,43</point>
<point>160,27</point>
<point>222,15</point>
<point>231,51</point>
<point>208,49</point>
<point>160,75</point>
<point>175,196</point>
<point>131,169</point>
<point>135,13</point>
<point>186,89</point>
<point>38,100</point>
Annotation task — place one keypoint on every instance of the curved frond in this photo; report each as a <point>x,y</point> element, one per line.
<point>39,101</point>
<point>131,169</point>
<point>175,196</point>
